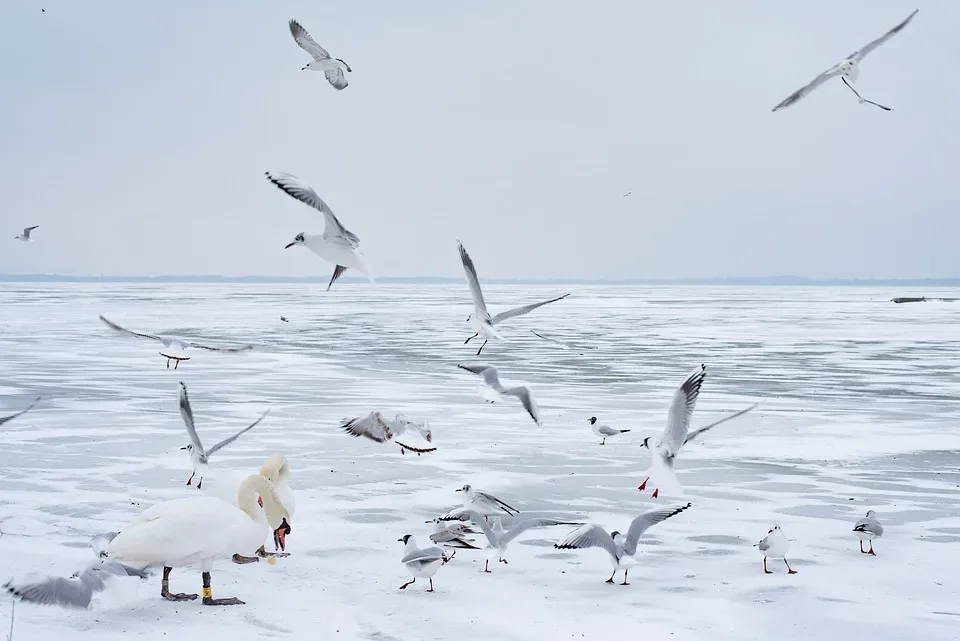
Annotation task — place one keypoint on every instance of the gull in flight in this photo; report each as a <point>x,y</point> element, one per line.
<point>560,343</point>
<point>848,70</point>
<point>492,380</point>
<point>199,456</point>
<point>284,319</point>
<point>5,419</point>
<point>25,236</point>
<point>677,433</point>
<point>332,68</point>
<point>498,539</point>
<point>627,194</point>
<point>335,245</point>
<point>867,529</point>
<point>173,348</point>
<point>78,590</point>
<point>774,546</point>
<point>620,548</point>
<point>604,431</point>
<point>377,427</point>
<point>422,564</point>
<point>480,320</point>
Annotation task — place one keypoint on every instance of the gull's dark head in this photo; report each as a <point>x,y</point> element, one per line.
<point>465,488</point>
<point>188,448</point>
<point>614,534</point>
<point>593,420</point>
<point>403,539</point>
<point>297,240</point>
<point>646,443</point>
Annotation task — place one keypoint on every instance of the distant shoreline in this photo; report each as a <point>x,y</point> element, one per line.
<point>772,281</point>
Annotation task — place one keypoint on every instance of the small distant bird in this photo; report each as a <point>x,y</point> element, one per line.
<point>422,564</point>
<point>377,427</point>
<point>774,545</point>
<point>332,68</point>
<point>848,70</point>
<point>5,419</point>
<point>480,320</point>
<point>492,380</point>
<point>199,456</point>
<point>627,194</point>
<point>867,529</point>
<point>336,245</point>
<point>173,348</point>
<point>25,236</point>
<point>604,431</point>
<point>284,319</point>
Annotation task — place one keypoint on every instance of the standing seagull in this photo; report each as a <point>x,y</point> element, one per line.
<point>848,70</point>
<point>422,564</point>
<point>173,348</point>
<point>480,501</point>
<point>621,549</point>
<point>677,433</point>
<point>377,427</point>
<point>332,68</point>
<point>25,236</point>
<point>480,320</point>
<point>199,456</point>
<point>491,378</point>
<point>774,546</point>
<point>867,529</point>
<point>604,431</point>
<point>4,419</point>
<point>336,244</point>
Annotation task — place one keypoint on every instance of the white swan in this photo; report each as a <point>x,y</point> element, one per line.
<point>182,532</point>
<point>276,470</point>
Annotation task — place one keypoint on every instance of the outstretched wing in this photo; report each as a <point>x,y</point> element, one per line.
<point>20,413</point>
<point>306,41</point>
<point>227,441</point>
<point>526,524</point>
<point>588,536</point>
<point>490,498</point>
<point>861,53</point>
<point>336,77</point>
<point>529,403</point>
<point>803,91</point>
<point>694,434</point>
<point>295,188</point>
<point>123,330</point>
<point>681,409</point>
<point>520,311</point>
<point>472,281</point>
<point>242,348</point>
<point>74,592</point>
<point>373,426</point>
<point>647,520</point>
<point>186,413</point>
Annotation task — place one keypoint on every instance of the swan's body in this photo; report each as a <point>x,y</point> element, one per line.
<point>276,470</point>
<point>775,545</point>
<point>422,564</point>
<point>867,529</point>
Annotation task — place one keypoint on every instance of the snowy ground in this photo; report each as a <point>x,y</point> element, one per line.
<point>859,411</point>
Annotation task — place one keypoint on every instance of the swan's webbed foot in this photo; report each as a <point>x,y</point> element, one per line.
<point>231,601</point>
<point>165,589</point>
<point>263,552</point>
<point>243,560</point>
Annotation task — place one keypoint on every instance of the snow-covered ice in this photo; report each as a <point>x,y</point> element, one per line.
<point>859,412</point>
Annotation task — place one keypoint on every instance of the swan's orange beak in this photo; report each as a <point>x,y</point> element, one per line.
<point>290,245</point>
<point>280,536</point>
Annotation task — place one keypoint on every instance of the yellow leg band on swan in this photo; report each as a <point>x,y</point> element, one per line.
<point>207,593</point>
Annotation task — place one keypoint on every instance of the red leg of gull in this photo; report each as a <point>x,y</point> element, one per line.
<point>190,480</point>
<point>790,570</point>
<point>871,552</point>
<point>643,485</point>
<point>656,493</point>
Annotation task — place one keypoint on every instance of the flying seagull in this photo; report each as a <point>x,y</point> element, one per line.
<point>174,348</point>
<point>492,380</point>
<point>377,427</point>
<point>25,236</point>
<point>848,70</point>
<point>336,244</point>
<point>332,68</point>
<point>498,539</point>
<point>480,320</point>
<point>77,591</point>
<point>5,419</point>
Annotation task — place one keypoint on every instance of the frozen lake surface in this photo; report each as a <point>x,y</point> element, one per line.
<point>860,411</point>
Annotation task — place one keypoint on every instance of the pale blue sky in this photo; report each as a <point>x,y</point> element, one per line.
<point>136,134</point>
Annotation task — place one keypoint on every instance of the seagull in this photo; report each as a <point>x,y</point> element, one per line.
<point>173,348</point>
<point>774,546</point>
<point>198,455</point>
<point>492,379</point>
<point>331,67</point>
<point>78,590</point>
<point>284,319</point>
<point>4,419</point>
<point>867,529</point>
<point>604,431</point>
<point>453,535</point>
<point>423,564</point>
<point>376,427</point>
<point>336,244</point>
<point>498,539</point>
<point>480,501</point>
<point>559,342</point>
<point>25,236</point>
<point>676,434</point>
<point>480,320</point>
<point>848,70</point>
<point>627,194</point>
<point>620,548</point>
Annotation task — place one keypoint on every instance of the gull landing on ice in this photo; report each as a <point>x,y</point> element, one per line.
<point>377,427</point>
<point>332,68</point>
<point>174,349</point>
<point>848,70</point>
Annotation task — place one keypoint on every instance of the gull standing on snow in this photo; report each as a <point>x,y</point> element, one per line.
<point>676,434</point>
<point>199,456</point>
<point>25,236</point>
<point>867,529</point>
<point>377,427</point>
<point>480,319</point>
<point>332,68</point>
<point>174,348</point>
<point>774,546</point>
<point>492,379</point>
<point>335,245</point>
<point>848,70</point>
<point>498,539</point>
<point>5,419</point>
<point>604,431</point>
<point>620,548</point>
<point>423,564</point>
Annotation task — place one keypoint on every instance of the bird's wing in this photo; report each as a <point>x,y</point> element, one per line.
<point>480,370</point>
<point>74,592</point>
<point>477,519</point>
<point>227,441</point>
<point>645,521</point>
<point>588,536</point>
<point>694,434</point>
<point>426,554</point>
<point>862,52</point>
<point>292,186</point>
<point>490,498</point>
<point>526,524</point>
<point>520,311</point>
<point>241,348</point>
<point>27,230</point>
<point>868,525</point>
<point>552,340</point>
<point>373,426</point>
<point>336,77</point>
<point>306,42</point>
<point>186,413</point>
<point>21,412</point>
<point>806,89</point>
<point>456,514</point>
<point>529,403</point>
<point>681,409</point>
<point>472,280</point>
<point>122,330</point>
<point>764,544</point>
<point>606,430</point>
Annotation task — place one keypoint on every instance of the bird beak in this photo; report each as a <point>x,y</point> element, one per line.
<point>290,245</point>
<point>458,489</point>
<point>280,536</point>
<point>429,438</point>
<point>769,531</point>
<point>260,501</point>
<point>401,540</point>
<point>183,448</point>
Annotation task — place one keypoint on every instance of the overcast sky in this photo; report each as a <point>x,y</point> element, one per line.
<point>136,135</point>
